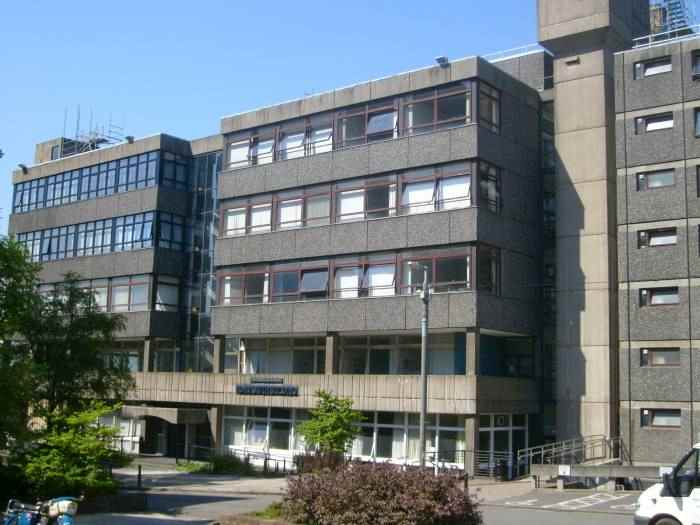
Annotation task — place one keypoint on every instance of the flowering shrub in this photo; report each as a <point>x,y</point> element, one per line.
<point>381,494</point>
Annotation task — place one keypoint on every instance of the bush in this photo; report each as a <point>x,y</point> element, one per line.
<point>367,494</point>
<point>231,465</point>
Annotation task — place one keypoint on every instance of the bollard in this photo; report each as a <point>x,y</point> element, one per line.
<point>138,478</point>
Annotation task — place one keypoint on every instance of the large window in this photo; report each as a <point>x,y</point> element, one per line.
<point>660,417</point>
<point>657,237</point>
<point>488,270</point>
<point>131,232</point>
<point>428,110</point>
<point>489,187</point>
<point>652,123</point>
<point>435,188</point>
<point>302,355</point>
<point>351,277</point>
<point>384,354</point>
<point>659,296</point>
<point>655,179</point>
<point>650,68</point>
<point>127,174</point>
<point>660,356</point>
<point>128,293</point>
<point>438,108</point>
<point>489,107</point>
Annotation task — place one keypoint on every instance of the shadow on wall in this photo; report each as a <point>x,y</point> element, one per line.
<point>571,378</point>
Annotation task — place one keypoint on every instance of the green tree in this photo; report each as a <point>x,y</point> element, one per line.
<point>18,299</point>
<point>67,339</point>
<point>71,456</point>
<point>333,424</point>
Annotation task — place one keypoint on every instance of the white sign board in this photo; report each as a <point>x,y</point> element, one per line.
<point>565,470</point>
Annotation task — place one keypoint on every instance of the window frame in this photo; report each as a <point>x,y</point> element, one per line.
<point>646,296</point>
<point>644,237</point>
<point>642,179</point>
<point>646,357</point>
<point>640,67</point>
<point>641,124</point>
<point>647,418</point>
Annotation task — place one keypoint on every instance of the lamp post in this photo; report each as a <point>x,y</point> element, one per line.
<point>425,298</point>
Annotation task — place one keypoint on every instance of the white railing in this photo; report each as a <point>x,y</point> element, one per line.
<point>666,36</point>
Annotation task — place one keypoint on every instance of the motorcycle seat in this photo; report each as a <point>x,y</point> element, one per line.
<point>18,505</point>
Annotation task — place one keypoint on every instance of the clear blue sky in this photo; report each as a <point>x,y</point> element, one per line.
<point>179,66</point>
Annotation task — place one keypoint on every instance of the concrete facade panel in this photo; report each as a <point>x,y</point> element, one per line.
<point>650,323</point>
<point>656,146</point>
<point>656,204</point>
<point>657,90</point>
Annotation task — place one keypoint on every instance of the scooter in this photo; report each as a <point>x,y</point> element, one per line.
<point>57,511</point>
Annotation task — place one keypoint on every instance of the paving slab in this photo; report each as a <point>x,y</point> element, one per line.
<point>570,501</point>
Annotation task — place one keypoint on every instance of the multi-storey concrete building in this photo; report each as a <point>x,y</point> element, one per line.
<point>283,254</point>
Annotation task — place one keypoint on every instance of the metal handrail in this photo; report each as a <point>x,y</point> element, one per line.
<point>576,450</point>
<point>666,36</point>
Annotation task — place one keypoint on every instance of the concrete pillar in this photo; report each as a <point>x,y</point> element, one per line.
<point>218,357</point>
<point>471,442</point>
<point>331,346</point>
<point>583,35</point>
<point>147,365</point>
<point>472,351</point>
<point>216,427</point>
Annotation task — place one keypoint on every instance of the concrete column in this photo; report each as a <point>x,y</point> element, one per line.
<point>583,35</point>
<point>471,442</point>
<point>216,427</point>
<point>147,355</point>
<point>472,351</point>
<point>331,345</point>
<point>218,357</point>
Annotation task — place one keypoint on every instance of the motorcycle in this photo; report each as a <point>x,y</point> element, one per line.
<point>57,511</point>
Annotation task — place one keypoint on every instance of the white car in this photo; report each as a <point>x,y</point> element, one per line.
<point>676,501</point>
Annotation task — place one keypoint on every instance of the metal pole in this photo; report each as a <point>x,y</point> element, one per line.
<point>425,298</point>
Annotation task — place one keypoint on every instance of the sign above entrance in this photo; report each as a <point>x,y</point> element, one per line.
<point>267,387</point>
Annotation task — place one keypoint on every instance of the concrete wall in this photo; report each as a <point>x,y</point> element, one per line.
<point>128,203</point>
<point>446,394</point>
<point>675,206</point>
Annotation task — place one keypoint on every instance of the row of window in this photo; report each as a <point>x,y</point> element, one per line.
<point>128,294</point>
<point>422,190</point>
<point>131,232</point>
<point>424,111</point>
<point>107,178</point>
<point>370,276</point>
<point>661,65</point>
<point>661,121</point>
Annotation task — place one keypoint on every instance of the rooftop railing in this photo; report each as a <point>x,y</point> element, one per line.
<point>666,36</point>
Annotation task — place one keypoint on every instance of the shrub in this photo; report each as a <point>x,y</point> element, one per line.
<point>378,494</point>
<point>231,465</point>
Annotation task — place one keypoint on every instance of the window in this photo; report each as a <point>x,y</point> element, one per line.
<point>134,232</point>
<point>261,218</point>
<point>238,154</point>
<point>660,357</point>
<point>660,237</point>
<point>368,123</point>
<point>318,210</point>
<point>454,192</point>
<point>655,179</point>
<point>650,68</point>
<point>380,280</point>
<point>489,187</point>
<point>659,417</point>
<point>56,152</point>
<point>235,221</point>
<point>129,294</point>
<point>167,293</point>
<point>285,286</point>
<point>351,205</point>
<point>262,149</point>
<point>653,123</point>
<point>347,282</point>
<point>314,284</point>
<point>696,65</point>
<point>697,122</point>
<point>291,141</point>
<point>171,228</point>
<point>439,108</point>
<point>658,296</point>
<point>418,197</point>
<point>289,213</point>
<point>251,288</point>
<point>488,269</point>
<point>174,170</point>
<point>445,273</point>
<point>489,107</point>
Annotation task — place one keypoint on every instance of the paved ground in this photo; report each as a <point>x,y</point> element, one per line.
<point>506,516</point>
<point>569,501</point>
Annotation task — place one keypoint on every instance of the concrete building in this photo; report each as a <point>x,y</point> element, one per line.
<point>283,254</point>
<point>671,15</point>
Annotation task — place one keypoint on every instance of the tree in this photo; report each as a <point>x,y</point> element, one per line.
<point>333,424</point>
<point>18,299</point>
<point>67,339</point>
<point>72,455</point>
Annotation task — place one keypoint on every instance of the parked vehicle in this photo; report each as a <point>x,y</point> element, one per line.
<point>57,511</point>
<point>676,501</point>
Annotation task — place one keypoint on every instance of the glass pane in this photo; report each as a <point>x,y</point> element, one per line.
<point>661,296</point>
<point>257,431</point>
<point>351,205</point>
<point>347,283</point>
<point>290,214</point>
<point>665,357</point>
<point>260,218</point>
<point>660,179</point>
<point>377,202</point>
<point>500,441</point>
<point>303,362</point>
<point>454,193</point>
<point>235,221</point>
<point>318,210</point>
<point>314,281</point>
<point>413,272</point>
<point>385,443</point>
<point>419,116</point>
<point>379,361</point>
<point>353,129</point>
<point>380,280</point>
<point>285,286</point>
<point>451,274</point>
<point>418,197</point>
<point>353,361</point>
<point>381,125</point>
<point>255,288</point>
<point>452,108</point>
